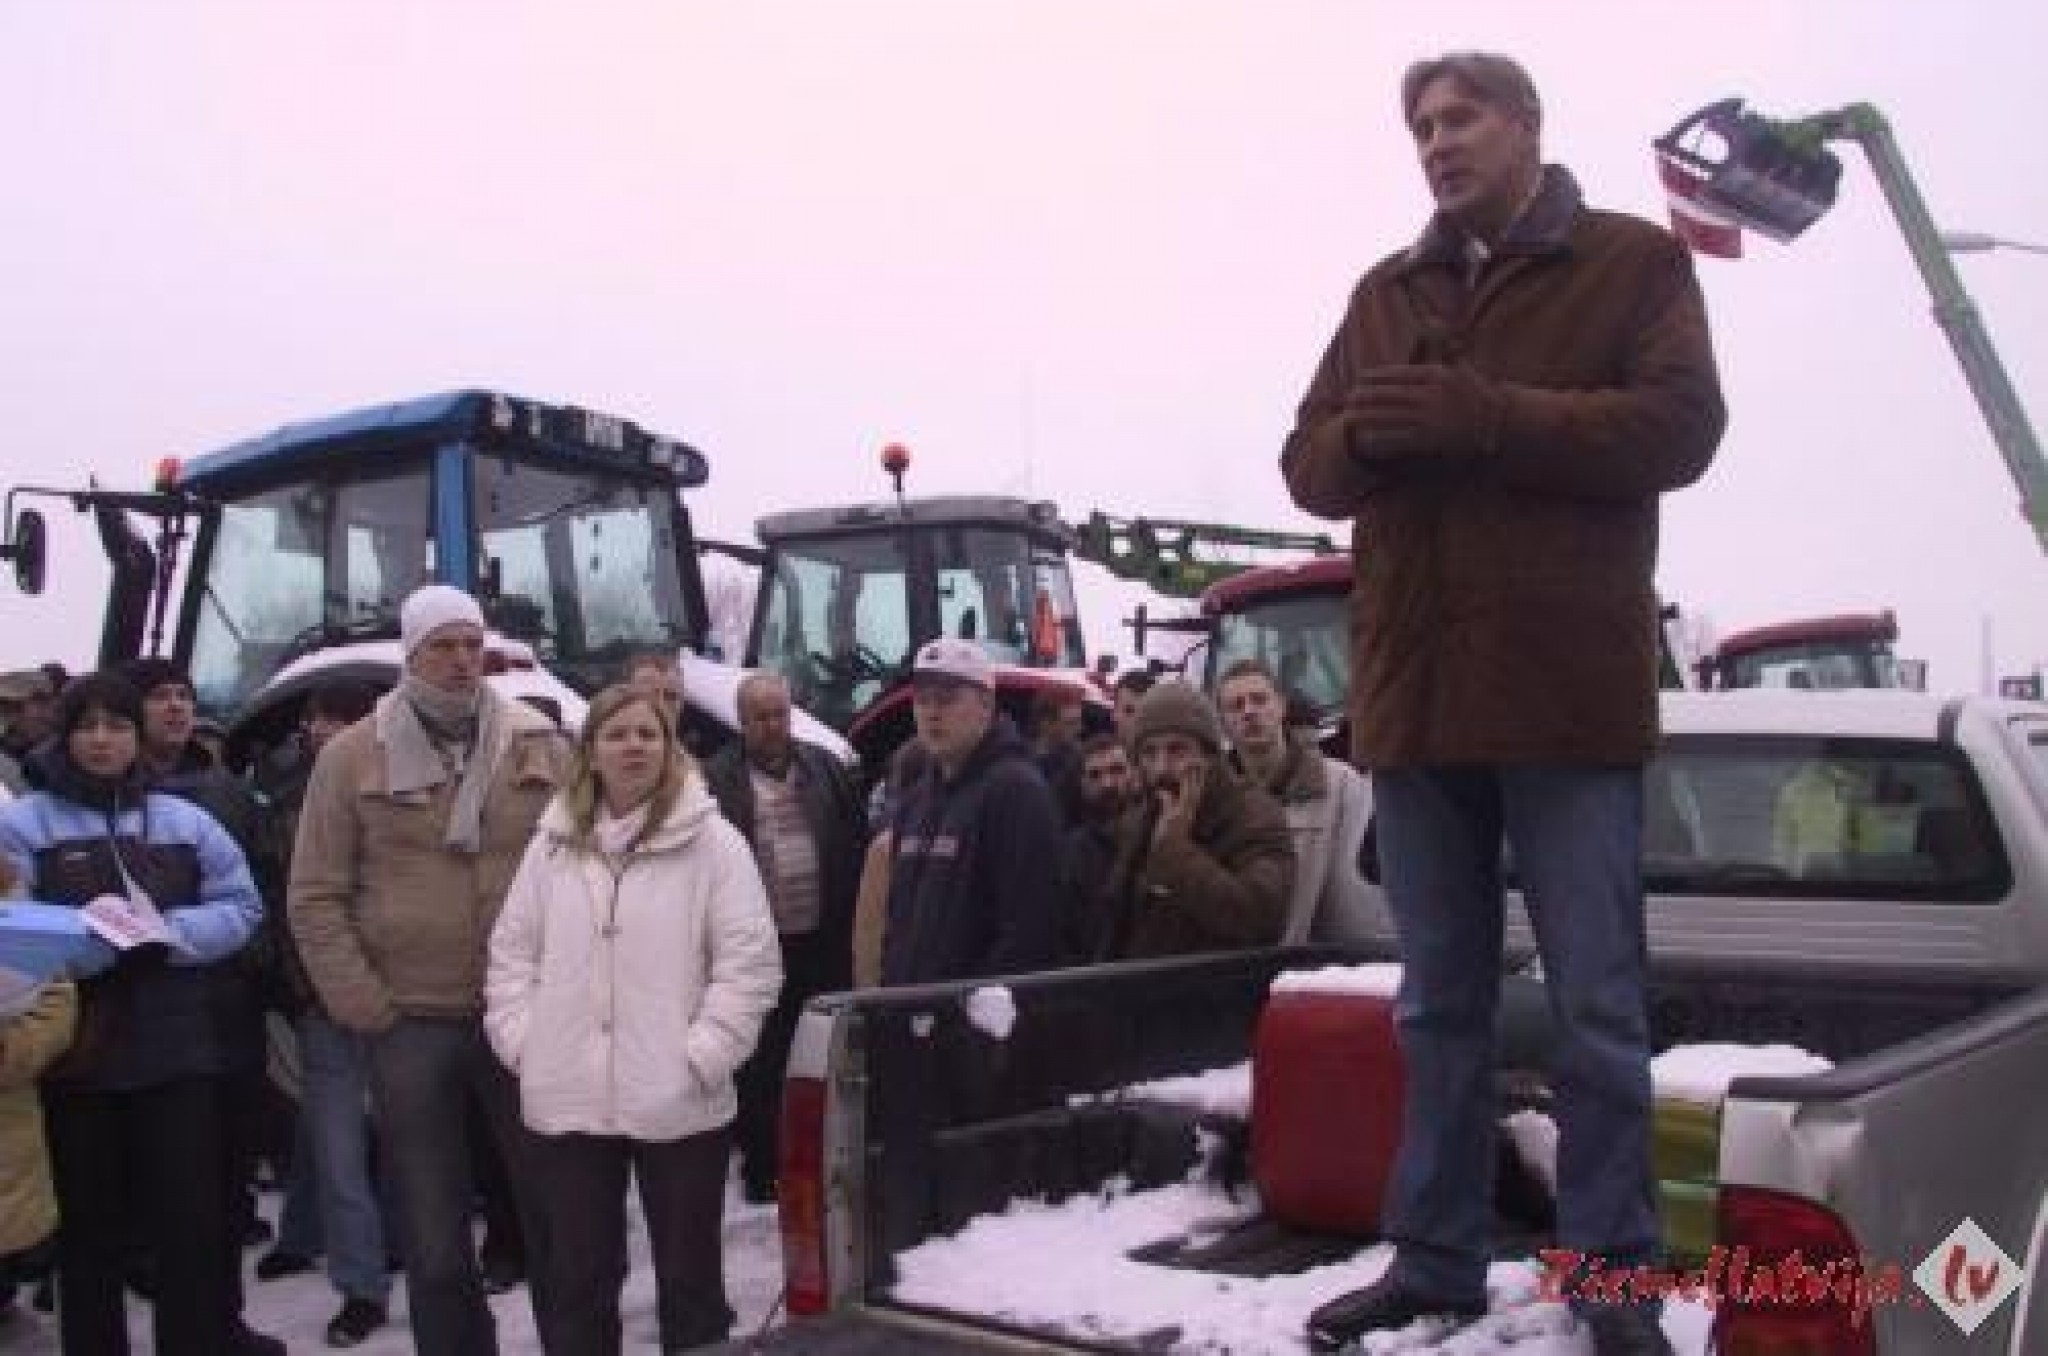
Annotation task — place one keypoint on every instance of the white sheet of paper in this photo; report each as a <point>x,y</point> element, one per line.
<point>123,923</point>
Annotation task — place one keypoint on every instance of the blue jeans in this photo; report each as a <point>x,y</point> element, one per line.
<point>1575,835</point>
<point>298,1220</point>
<point>423,1073</point>
<point>334,1121</point>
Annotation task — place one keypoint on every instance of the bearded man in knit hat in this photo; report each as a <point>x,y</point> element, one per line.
<point>1205,861</point>
<point>413,823</point>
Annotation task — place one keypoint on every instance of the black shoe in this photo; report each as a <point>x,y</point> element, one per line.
<point>277,1262</point>
<point>246,1341</point>
<point>758,1193</point>
<point>356,1321</point>
<point>1626,1330</point>
<point>256,1231</point>
<point>1382,1305</point>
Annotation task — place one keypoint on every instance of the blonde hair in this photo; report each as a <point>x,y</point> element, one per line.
<point>585,796</point>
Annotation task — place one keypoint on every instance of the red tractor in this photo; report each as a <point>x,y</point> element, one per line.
<point>1825,653</point>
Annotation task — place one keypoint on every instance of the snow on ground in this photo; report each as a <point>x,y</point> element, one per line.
<point>297,1308</point>
<point>1080,1280</point>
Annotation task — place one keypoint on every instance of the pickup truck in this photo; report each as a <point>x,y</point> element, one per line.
<point>1862,875</point>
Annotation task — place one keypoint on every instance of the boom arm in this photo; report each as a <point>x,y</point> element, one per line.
<point>1165,553</point>
<point>1778,177</point>
<point>1953,310</point>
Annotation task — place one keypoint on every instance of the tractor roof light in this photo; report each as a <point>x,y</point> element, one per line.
<point>896,461</point>
<point>167,472</point>
<point>1775,179</point>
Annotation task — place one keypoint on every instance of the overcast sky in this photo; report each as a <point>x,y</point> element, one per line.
<point>1082,249</point>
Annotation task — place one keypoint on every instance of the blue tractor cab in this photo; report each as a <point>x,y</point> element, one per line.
<point>568,525</point>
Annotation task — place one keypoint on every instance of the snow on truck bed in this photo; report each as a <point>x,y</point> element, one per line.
<point>1065,1266</point>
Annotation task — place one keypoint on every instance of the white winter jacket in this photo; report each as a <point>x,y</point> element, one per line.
<point>623,1002</point>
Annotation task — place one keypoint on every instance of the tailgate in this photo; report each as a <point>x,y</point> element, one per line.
<point>1904,1146</point>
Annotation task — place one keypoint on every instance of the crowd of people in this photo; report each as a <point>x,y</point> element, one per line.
<point>551,969</point>
<point>522,968</point>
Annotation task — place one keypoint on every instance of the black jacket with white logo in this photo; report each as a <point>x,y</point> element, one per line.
<point>974,883</point>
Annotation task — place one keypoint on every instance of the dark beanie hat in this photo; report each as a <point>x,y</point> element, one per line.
<point>103,691</point>
<point>1177,707</point>
<point>148,675</point>
<point>152,674</point>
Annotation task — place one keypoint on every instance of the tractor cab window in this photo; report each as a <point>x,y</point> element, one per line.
<point>299,566</point>
<point>579,563</point>
<point>835,620</point>
<point>1014,599</point>
<point>1304,639</point>
<point>1825,667</point>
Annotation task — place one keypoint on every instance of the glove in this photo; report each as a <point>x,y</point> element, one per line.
<point>1422,410</point>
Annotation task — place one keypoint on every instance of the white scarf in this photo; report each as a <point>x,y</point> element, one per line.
<point>414,762</point>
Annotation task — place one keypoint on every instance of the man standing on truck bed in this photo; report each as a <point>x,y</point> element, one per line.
<point>974,878</point>
<point>1499,410</point>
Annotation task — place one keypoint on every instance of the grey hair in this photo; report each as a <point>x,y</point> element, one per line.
<point>1495,79</point>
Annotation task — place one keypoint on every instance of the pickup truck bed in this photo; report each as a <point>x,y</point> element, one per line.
<point>1888,960</point>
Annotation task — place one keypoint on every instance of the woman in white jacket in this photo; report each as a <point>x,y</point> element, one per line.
<point>629,974</point>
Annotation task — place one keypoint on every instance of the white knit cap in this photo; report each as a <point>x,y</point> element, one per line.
<point>429,608</point>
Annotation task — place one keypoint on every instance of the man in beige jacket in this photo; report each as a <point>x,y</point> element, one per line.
<point>414,821</point>
<point>1327,803</point>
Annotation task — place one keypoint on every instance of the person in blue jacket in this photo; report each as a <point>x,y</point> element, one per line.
<point>135,1109</point>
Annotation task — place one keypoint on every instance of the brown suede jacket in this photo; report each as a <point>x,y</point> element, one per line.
<point>1221,886</point>
<point>1504,610</point>
<point>389,920</point>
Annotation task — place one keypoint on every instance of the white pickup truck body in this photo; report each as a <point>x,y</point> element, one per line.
<point>1861,874</point>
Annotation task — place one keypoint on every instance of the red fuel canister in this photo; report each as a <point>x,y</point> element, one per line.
<point>1326,1109</point>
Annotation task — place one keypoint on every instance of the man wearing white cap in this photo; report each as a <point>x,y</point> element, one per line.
<point>414,821</point>
<point>974,883</point>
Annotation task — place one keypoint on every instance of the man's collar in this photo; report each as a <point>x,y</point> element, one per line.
<point>1268,773</point>
<point>1543,226</point>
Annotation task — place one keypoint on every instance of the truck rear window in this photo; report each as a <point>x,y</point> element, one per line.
<point>1819,818</point>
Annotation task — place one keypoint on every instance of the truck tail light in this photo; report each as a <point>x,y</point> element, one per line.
<point>800,1197</point>
<point>1823,1312</point>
